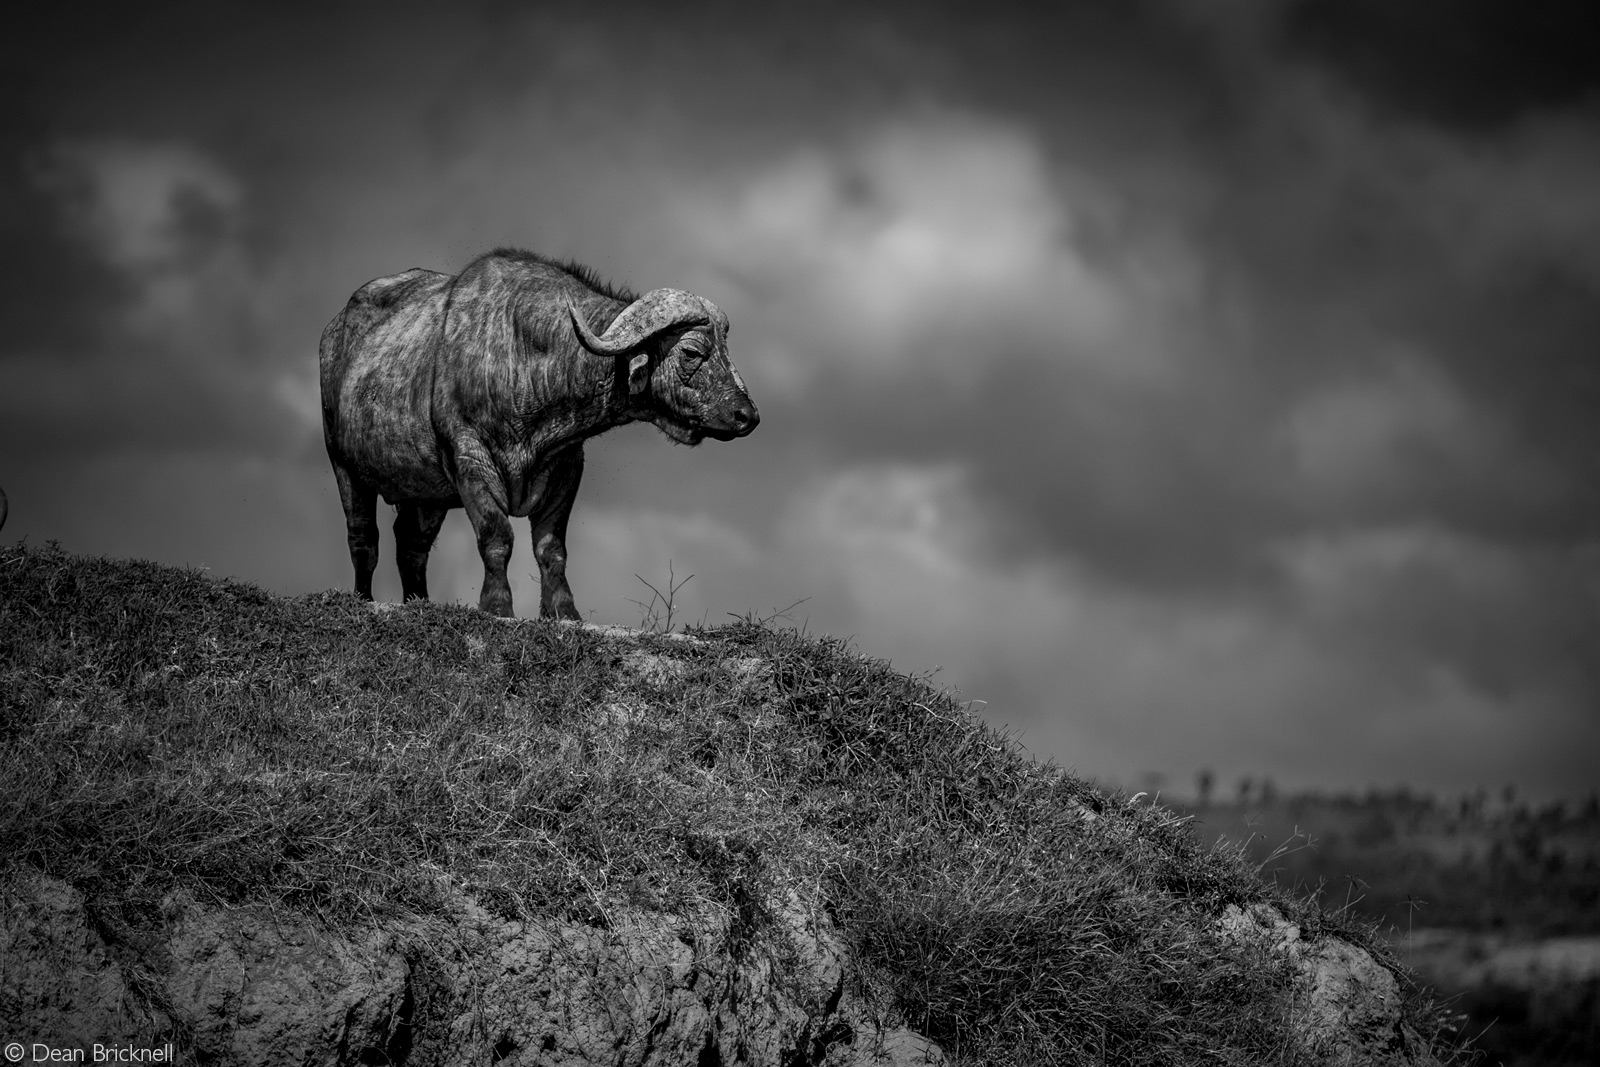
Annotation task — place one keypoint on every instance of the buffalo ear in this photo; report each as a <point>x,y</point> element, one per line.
<point>639,373</point>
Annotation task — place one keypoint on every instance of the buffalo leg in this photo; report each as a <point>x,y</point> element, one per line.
<point>494,547</point>
<point>361,527</point>
<point>415,528</point>
<point>550,535</point>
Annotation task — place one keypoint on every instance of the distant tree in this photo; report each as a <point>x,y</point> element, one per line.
<point>1246,785</point>
<point>1204,782</point>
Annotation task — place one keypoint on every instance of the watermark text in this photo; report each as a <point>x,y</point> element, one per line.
<point>39,1052</point>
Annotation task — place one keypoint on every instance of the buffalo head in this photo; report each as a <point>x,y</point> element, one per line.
<point>679,377</point>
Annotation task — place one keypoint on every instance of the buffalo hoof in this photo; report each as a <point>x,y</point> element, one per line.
<point>497,605</point>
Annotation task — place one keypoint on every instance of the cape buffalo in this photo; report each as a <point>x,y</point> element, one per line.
<point>477,391</point>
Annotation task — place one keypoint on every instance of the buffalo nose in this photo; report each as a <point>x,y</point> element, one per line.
<point>745,419</point>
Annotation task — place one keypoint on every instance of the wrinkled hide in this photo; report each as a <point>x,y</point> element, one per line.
<point>477,391</point>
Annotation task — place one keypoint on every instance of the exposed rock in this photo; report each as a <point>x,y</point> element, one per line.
<point>58,978</point>
<point>259,987</point>
<point>1351,1000</point>
<point>234,986</point>
<point>254,986</point>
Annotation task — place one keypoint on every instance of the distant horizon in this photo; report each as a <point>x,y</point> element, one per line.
<point>1200,386</point>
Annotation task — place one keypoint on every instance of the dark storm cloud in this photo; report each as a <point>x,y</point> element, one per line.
<point>1448,207</point>
<point>1476,64</point>
<point>1341,275</point>
<point>53,296</point>
<point>1156,492</point>
<point>48,289</point>
<point>1352,435</point>
<point>173,357</point>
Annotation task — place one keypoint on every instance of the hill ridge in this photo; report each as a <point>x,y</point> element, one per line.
<point>741,845</point>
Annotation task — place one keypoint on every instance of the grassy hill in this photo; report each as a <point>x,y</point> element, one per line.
<point>161,730</point>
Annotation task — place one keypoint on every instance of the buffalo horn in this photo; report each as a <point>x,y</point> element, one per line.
<point>657,310</point>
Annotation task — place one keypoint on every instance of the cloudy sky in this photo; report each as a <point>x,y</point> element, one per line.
<point>1197,384</point>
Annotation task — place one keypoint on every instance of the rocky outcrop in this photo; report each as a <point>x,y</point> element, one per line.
<point>1351,1002</point>
<point>221,985</point>
<point>252,985</point>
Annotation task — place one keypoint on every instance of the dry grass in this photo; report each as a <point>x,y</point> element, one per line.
<point>161,729</point>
